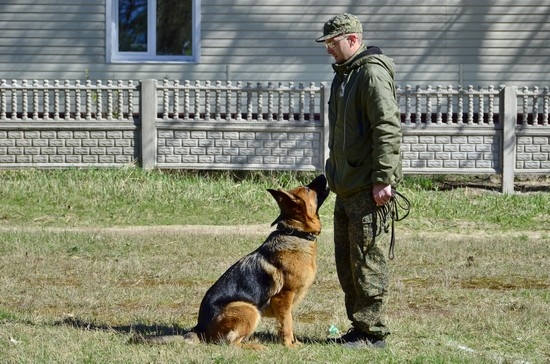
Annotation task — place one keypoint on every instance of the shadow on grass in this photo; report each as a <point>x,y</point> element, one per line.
<point>137,331</point>
<point>489,182</point>
<point>522,188</point>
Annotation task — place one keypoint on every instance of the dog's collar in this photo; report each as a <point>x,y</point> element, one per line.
<point>299,234</point>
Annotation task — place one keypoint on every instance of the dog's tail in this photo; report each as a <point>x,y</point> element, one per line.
<point>189,338</point>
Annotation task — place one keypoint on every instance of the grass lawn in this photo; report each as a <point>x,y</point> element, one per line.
<point>90,257</point>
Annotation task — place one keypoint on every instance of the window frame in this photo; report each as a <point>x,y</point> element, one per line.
<point>114,56</point>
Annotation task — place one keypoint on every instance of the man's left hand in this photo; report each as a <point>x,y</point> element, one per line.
<point>381,194</point>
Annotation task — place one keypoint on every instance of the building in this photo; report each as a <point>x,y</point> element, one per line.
<point>433,42</point>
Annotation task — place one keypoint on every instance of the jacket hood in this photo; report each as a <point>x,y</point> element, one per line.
<point>364,55</point>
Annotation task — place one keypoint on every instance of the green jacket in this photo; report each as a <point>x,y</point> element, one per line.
<point>364,124</point>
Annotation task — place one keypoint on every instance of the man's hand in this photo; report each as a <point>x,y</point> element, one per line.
<point>381,194</point>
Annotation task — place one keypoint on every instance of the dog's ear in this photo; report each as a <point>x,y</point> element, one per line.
<point>283,199</point>
<point>281,196</point>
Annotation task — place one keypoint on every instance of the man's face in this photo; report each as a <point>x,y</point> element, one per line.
<point>341,47</point>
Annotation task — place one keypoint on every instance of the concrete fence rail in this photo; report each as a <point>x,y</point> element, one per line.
<point>236,125</point>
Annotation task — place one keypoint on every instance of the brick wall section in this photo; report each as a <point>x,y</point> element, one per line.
<point>436,149</point>
<point>57,145</point>
<point>254,146</point>
<point>533,151</point>
<point>433,150</point>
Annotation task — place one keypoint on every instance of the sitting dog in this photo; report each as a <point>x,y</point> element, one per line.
<point>271,280</point>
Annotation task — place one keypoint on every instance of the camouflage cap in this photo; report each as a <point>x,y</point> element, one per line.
<point>341,24</point>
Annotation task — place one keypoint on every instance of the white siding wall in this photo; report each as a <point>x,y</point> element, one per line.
<point>478,42</point>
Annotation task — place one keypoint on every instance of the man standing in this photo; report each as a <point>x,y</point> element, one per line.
<point>364,162</point>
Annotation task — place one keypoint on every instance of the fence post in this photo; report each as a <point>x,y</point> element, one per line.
<point>148,107</point>
<point>508,117</point>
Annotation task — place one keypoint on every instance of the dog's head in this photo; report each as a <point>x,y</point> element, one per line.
<point>300,206</point>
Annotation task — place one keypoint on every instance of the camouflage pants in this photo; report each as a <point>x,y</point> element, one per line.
<point>360,244</point>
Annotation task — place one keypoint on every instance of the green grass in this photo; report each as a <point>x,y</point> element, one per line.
<point>470,282</point>
<point>135,197</point>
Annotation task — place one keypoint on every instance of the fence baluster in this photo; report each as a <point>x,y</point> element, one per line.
<point>238,115</point>
<point>24,100</point>
<point>460,113</point>
<point>449,118</point>
<point>35,100</point>
<point>491,114</point>
<point>311,101</point>
<point>14,100</point>
<point>67,100</point>
<point>260,115</point>
<point>418,117</point>
<point>302,103</point>
<point>46,102</point>
<point>88,100</point>
<point>280,99</point>
<point>207,106</point>
<point>120,103</point>
<point>525,116</point>
<point>535,105</point>
<point>131,100</point>
<point>197,110</point>
<point>291,102</point>
<point>99,100</point>
<point>186,91</point>
<point>481,106</point>
<point>546,106</point>
<point>270,101</point>
<point>77,100</point>
<point>470,104</point>
<point>439,106</point>
<point>249,102</point>
<point>165,100</point>
<point>217,106</point>
<point>109,100</point>
<point>408,89</point>
<point>3,104</point>
<point>228,101</point>
<point>429,105</point>
<point>176,115</point>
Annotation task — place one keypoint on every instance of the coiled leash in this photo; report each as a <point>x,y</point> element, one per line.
<point>396,203</point>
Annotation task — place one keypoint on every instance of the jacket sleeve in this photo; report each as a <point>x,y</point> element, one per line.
<point>385,125</point>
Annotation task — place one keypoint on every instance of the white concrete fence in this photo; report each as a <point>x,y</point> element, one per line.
<point>235,125</point>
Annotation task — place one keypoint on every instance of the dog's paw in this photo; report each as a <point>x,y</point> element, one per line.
<point>292,344</point>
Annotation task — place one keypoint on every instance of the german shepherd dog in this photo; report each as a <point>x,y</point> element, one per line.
<point>271,280</point>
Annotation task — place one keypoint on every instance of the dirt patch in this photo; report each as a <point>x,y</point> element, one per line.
<point>151,230</point>
<point>258,229</point>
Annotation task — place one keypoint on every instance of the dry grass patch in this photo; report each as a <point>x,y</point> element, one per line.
<point>78,295</point>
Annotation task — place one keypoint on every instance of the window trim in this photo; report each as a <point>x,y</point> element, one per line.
<point>114,56</point>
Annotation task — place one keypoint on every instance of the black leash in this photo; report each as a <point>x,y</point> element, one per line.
<point>396,203</point>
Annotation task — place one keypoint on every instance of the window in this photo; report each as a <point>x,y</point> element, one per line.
<point>153,30</point>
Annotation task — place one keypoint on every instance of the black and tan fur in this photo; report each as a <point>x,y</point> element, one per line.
<point>270,280</point>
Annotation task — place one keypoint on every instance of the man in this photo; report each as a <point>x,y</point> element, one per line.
<point>364,162</point>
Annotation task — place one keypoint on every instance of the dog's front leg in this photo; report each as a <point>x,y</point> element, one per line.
<point>281,309</point>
